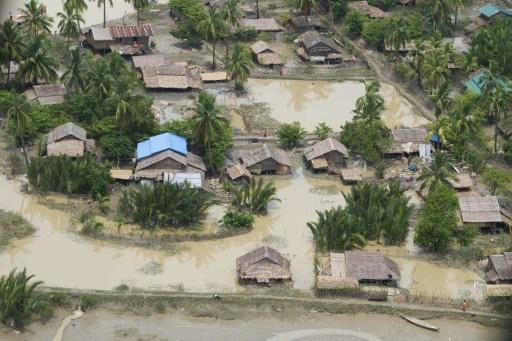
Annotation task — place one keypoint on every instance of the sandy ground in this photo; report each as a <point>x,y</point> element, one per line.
<point>103,325</point>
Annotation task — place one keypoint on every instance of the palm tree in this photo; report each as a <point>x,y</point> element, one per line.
<point>398,35</point>
<point>441,98</point>
<point>437,172</point>
<point>257,9</point>
<point>207,121</point>
<point>138,5</point>
<point>254,196</point>
<point>17,115</point>
<point>369,106</point>
<point>457,6</point>
<point>69,24</point>
<point>305,7</point>
<point>34,19</point>
<point>498,101</point>
<point>12,42</point>
<point>36,64</point>
<point>212,27</point>
<point>104,4</point>
<point>439,12</point>
<point>100,81</point>
<point>77,7</point>
<point>74,77</point>
<point>435,69</point>
<point>232,15</point>
<point>239,65</point>
<point>419,51</point>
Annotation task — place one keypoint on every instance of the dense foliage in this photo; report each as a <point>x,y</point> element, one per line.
<point>254,196</point>
<point>65,175</point>
<point>236,220</point>
<point>164,204</point>
<point>290,134</point>
<point>322,131</point>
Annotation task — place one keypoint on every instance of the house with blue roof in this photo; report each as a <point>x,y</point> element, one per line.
<point>475,82</point>
<point>166,153</point>
<point>486,14</point>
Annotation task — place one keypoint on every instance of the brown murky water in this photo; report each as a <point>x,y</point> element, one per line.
<point>312,102</point>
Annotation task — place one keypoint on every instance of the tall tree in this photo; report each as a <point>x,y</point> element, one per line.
<point>398,34</point>
<point>257,9</point>
<point>34,18</point>
<point>369,106</point>
<point>458,5</point>
<point>498,101</point>
<point>305,6</point>
<point>104,4</point>
<point>77,7</point>
<point>239,65</point>
<point>435,69</point>
<point>439,12</point>
<point>69,23</point>
<point>207,121</point>
<point>36,63</point>
<point>138,5</point>
<point>13,44</point>
<point>18,116</point>
<point>74,77</point>
<point>441,98</point>
<point>212,27</point>
<point>232,14</point>
<point>437,172</point>
<point>419,51</point>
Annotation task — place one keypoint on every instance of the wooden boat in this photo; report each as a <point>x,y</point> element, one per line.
<point>420,323</point>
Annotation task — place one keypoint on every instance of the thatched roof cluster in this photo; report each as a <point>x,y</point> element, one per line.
<point>311,39</point>
<point>238,172</point>
<point>351,175</point>
<point>461,181</point>
<point>266,152</point>
<point>500,267</point>
<point>265,54</point>
<point>323,147</point>
<point>364,8</point>
<point>262,24</point>
<point>172,77</point>
<point>148,60</point>
<point>263,264</point>
<point>477,209</point>
<point>47,94</point>
<point>370,266</point>
<point>68,139</point>
<point>407,140</point>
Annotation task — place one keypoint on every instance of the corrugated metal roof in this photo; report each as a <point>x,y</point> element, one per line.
<point>127,31</point>
<point>194,179</point>
<point>100,34</point>
<point>489,10</point>
<point>158,143</point>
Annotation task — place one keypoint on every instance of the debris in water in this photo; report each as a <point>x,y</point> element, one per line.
<point>151,268</point>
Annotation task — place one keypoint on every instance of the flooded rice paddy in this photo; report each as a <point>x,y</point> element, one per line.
<point>312,102</point>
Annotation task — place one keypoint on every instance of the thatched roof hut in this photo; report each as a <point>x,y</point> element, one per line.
<point>499,268</point>
<point>262,24</point>
<point>171,77</point>
<point>461,182</point>
<point>148,60</point>
<point>303,22</point>
<point>407,140</point>
<point>121,174</point>
<point>316,47</point>
<point>364,8</point>
<point>47,94</point>
<point>324,153</point>
<point>68,139</point>
<point>238,172</point>
<point>350,176</point>
<point>267,159</point>
<point>265,54</point>
<point>480,210</point>
<point>263,265</point>
<point>218,76</point>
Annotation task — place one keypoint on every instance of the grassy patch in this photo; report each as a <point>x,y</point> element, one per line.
<point>13,225</point>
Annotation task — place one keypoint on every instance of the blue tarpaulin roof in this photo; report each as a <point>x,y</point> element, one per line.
<point>475,83</point>
<point>490,10</point>
<point>435,138</point>
<point>159,143</point>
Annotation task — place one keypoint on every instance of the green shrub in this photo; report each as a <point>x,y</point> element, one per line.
<point>245,34</point>
<point>92,227</point>
<point>290,134</point>
<point>117,147</point>
<point>507,151</point>
<point>88,302</point>
<point>465,235</point>
<point>122,288</point>
<point>254,196</point>
<point>368,139</point>
<point>354,21</point>
<point>43,310</point>
<point>323,131</point>
<point>404,70</point>
<point>160,308</point>
<point>235,220</point>
<point>59,300</point>
<point>382,4</point>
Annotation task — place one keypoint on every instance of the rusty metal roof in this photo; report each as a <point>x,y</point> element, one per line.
<point>128,31</point>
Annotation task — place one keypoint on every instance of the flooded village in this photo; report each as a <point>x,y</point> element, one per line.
<point>256,170</point>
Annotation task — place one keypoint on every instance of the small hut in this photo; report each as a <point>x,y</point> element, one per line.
<point>68,139</point>
<point>214,77</point>
<point>140,62</point>
<point>46,94</point>
<point>265,54</point>
<point>499,268</point>
<point>125,39</point>
<point>262,25</point>
<point>407,140</point>
<point>267,160</point>
<point>99,38</point>
<point>172,77</point>
<point>121,175</point>
<point>326,154</point>
<point>317,48</point>
<point>365,9</point>
<point>461,182</point>
<point>305,23</point>
<point>351,176</point>
<point>481,211</point>
<point>238,173</point>
<point>263,265</point>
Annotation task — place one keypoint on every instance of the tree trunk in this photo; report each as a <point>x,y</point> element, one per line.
<point>68,41</point>
<point>138,16</point>
<point>227,48</point>
<point>104,13</point>
<point>213,57</point>
<point>331,15</point>
<point>8,71</point>
<point>257,9</point>
<point>24,149</point>
<point>496,135</point>
<point>456,12</point>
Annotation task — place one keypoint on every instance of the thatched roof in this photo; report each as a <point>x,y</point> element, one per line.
<point>311,39</point>
<point>261,46</point>
<point>370,11</point>
<point>502,266</point>
<point>332,283</point>
<point>477,209</point>
<point>190,161</point>
<point>370,266</point>
<point>262,24</point>
<point>99,33</point>
<point>121,174</point>
<point>269,58</point>
<point>195,161</point>
<point>71,148</point>
<point>148,60</point>
<point>266,152</point>
<point>48,94</point>
<point>263,265</point>
<point>219,76</point>
<point>238,171</point>
<point>461,181</point>
<point>319,163</point>
<point>323,147</point>
<point>65,130</point>
<point>351,175</point>
<point>171,77</point>
<point>407,140</point>
<point>303,21</point>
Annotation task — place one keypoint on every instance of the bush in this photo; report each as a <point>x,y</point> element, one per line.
<point>245,34</point>
<point>43,310</point>
<point>339,9</point>
<point>355,21</point>
<point>382,4</point>
<point>92,227</point>
<point>164,204</point>
<point>160,308</point>
<point>323,131</point>
<point>71,176</point>
<point>59,300</point>
<point>254,196</point>
<point>88,302</point>
<point>117,147</point>
<point>465,235</point>
<point>235,220</point>
<point>507,151</point>
<point>122,288</point>
<point>404,70</point>
<point>290,134</point>
<point>368,139</point>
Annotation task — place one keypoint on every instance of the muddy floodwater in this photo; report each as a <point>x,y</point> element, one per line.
<point>64,259</point>
<point>312,102</point>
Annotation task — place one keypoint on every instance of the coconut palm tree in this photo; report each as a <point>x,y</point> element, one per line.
<point>458,5</point>
<point>398,35</point>
<point>69,23</point>
<point>257,9</point>
<point>305,7</point>
<point>138,5</point>
<point>207,121</point>
<point>36,65</point>
<point>441,98</point>
<point>435,69</point>
<point>254,196</point>
<point>239,65</point>
<point>419,51</point>
<point>498,101</point>
<point>17,115</point>
<point>437,172</point>
<point>369,106</point>
<point>77,7</point>
<point>100,81</point>
<point>74,77</point>
<point>104,4</point>
<point>13,44</point>
<point>34,19</point>
<point>212,27</point>
<point>232,15</point>
<point>439,12</point>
